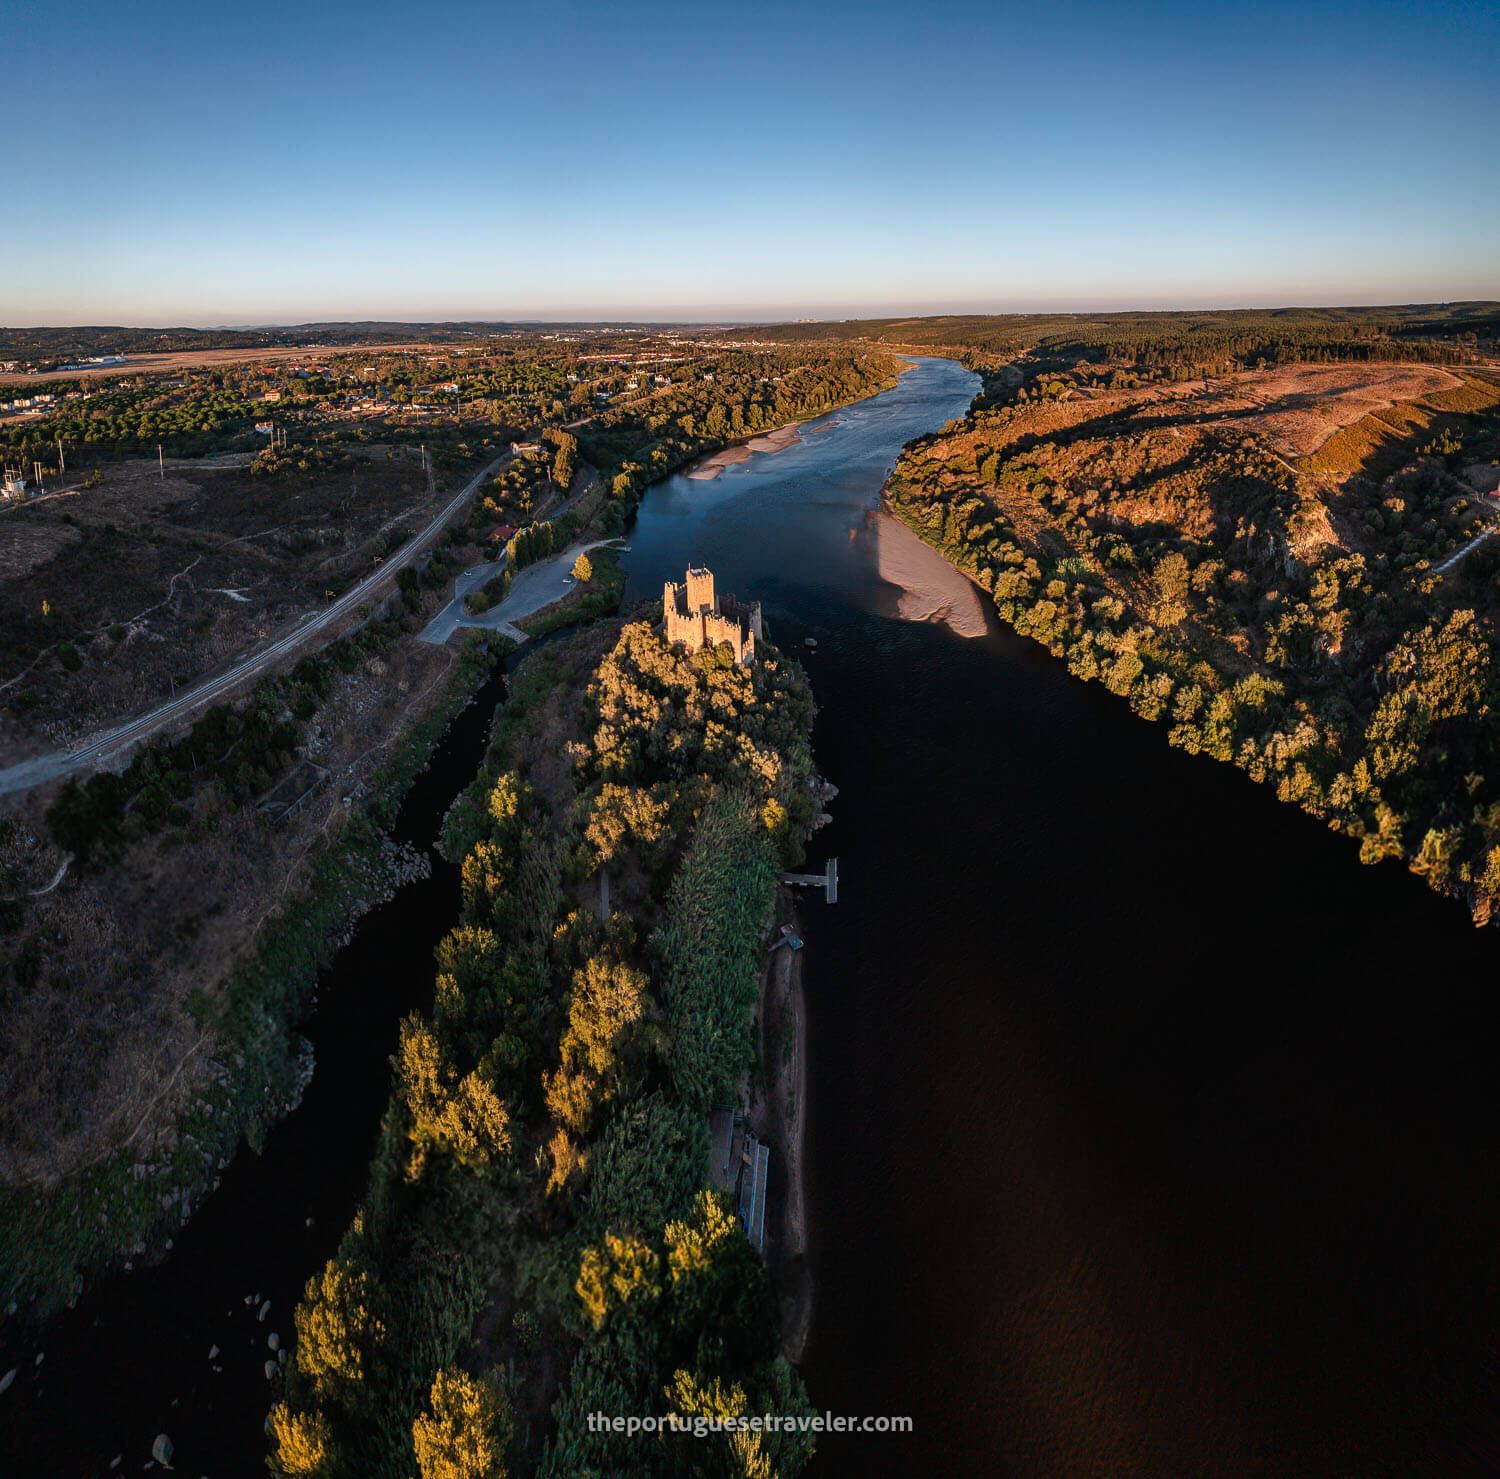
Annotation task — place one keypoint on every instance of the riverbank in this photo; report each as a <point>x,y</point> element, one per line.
<point>1312,625</point>
<point>718,426</point>
<point>778,1116</point>
<point>540,1200</point>
<point>930,587</point>
<point>769,442</point>
<point>244,1066</point>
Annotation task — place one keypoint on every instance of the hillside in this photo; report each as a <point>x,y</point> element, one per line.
<point>1290,569</point>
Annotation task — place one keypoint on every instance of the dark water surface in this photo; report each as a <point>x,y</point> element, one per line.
<point>1150,1135</point>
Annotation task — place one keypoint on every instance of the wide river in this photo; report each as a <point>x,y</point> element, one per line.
<point>1149,1134</point>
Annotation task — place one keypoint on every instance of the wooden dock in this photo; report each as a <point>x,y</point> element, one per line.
<point>828,881</point>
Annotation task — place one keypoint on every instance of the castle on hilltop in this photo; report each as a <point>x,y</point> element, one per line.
<point>695,618</point>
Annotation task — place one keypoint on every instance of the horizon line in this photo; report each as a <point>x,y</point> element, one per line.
<point>725,320</point>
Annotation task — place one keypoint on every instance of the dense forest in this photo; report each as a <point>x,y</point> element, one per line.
<point>1314,600</point>
<point>1228,339</point>
<point>727,399</point>
<point>540,1241</point>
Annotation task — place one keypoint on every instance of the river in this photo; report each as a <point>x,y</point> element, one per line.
<point>1149,1134</point>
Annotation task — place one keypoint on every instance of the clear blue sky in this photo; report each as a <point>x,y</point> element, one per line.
<point>183,162</point>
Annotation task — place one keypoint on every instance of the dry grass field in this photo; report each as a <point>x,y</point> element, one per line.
<point>208,359</point>
<point>111,595</point>
<point>1332,421</point>
<point>100,1043</point>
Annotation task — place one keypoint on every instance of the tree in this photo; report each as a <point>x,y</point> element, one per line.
<point>304,1442</point>
<point>583,569</point>
<point>566,460</point>
<point>467,1431</point>
<point>628,816</point>
<point>607,1012</point>
<point>462,1117</point>
<point>334,1324</point>
<point>621,1273</point>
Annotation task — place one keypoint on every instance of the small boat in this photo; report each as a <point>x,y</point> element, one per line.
<point>810,642</point>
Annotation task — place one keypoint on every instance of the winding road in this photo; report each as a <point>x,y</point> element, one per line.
<point>1475,542</point>
<point>43,768</point>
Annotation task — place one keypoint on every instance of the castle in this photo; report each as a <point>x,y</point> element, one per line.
<point>695,618</point>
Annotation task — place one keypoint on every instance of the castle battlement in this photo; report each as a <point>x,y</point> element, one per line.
<point>695,618</point>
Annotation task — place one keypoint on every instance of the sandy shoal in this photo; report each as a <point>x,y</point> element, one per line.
<point>930,588</point>
<point>773,441</point>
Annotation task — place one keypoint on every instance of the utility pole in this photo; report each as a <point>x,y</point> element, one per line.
<point>62,465</point>
<point>161,466</point>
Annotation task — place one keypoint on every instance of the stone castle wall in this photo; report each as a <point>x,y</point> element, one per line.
<point>694,619</point>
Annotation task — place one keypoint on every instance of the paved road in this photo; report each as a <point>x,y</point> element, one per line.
<point>44,768</point>
<point>455,614</point>
<point>442,626</point>
<point>536,586</point>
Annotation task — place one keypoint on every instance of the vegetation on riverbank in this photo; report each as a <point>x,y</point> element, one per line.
<point>539,1237</point>
<point>1293,614</point>
<point>136,1101</point>
<point>641,442</point>
<point>245,1064</point>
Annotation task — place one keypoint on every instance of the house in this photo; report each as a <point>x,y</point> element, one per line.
<point>265,427</point>
<point>273,395</point>
<point>526,449</point>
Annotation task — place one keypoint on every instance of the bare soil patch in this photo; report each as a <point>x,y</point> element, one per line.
<point>1298,407</point>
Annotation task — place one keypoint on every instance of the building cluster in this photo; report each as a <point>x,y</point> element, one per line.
<point>695,618</point>
<point>93,362</point>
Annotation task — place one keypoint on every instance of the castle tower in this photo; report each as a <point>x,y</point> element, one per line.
<point>694,617</point>
<point>700,591</point>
